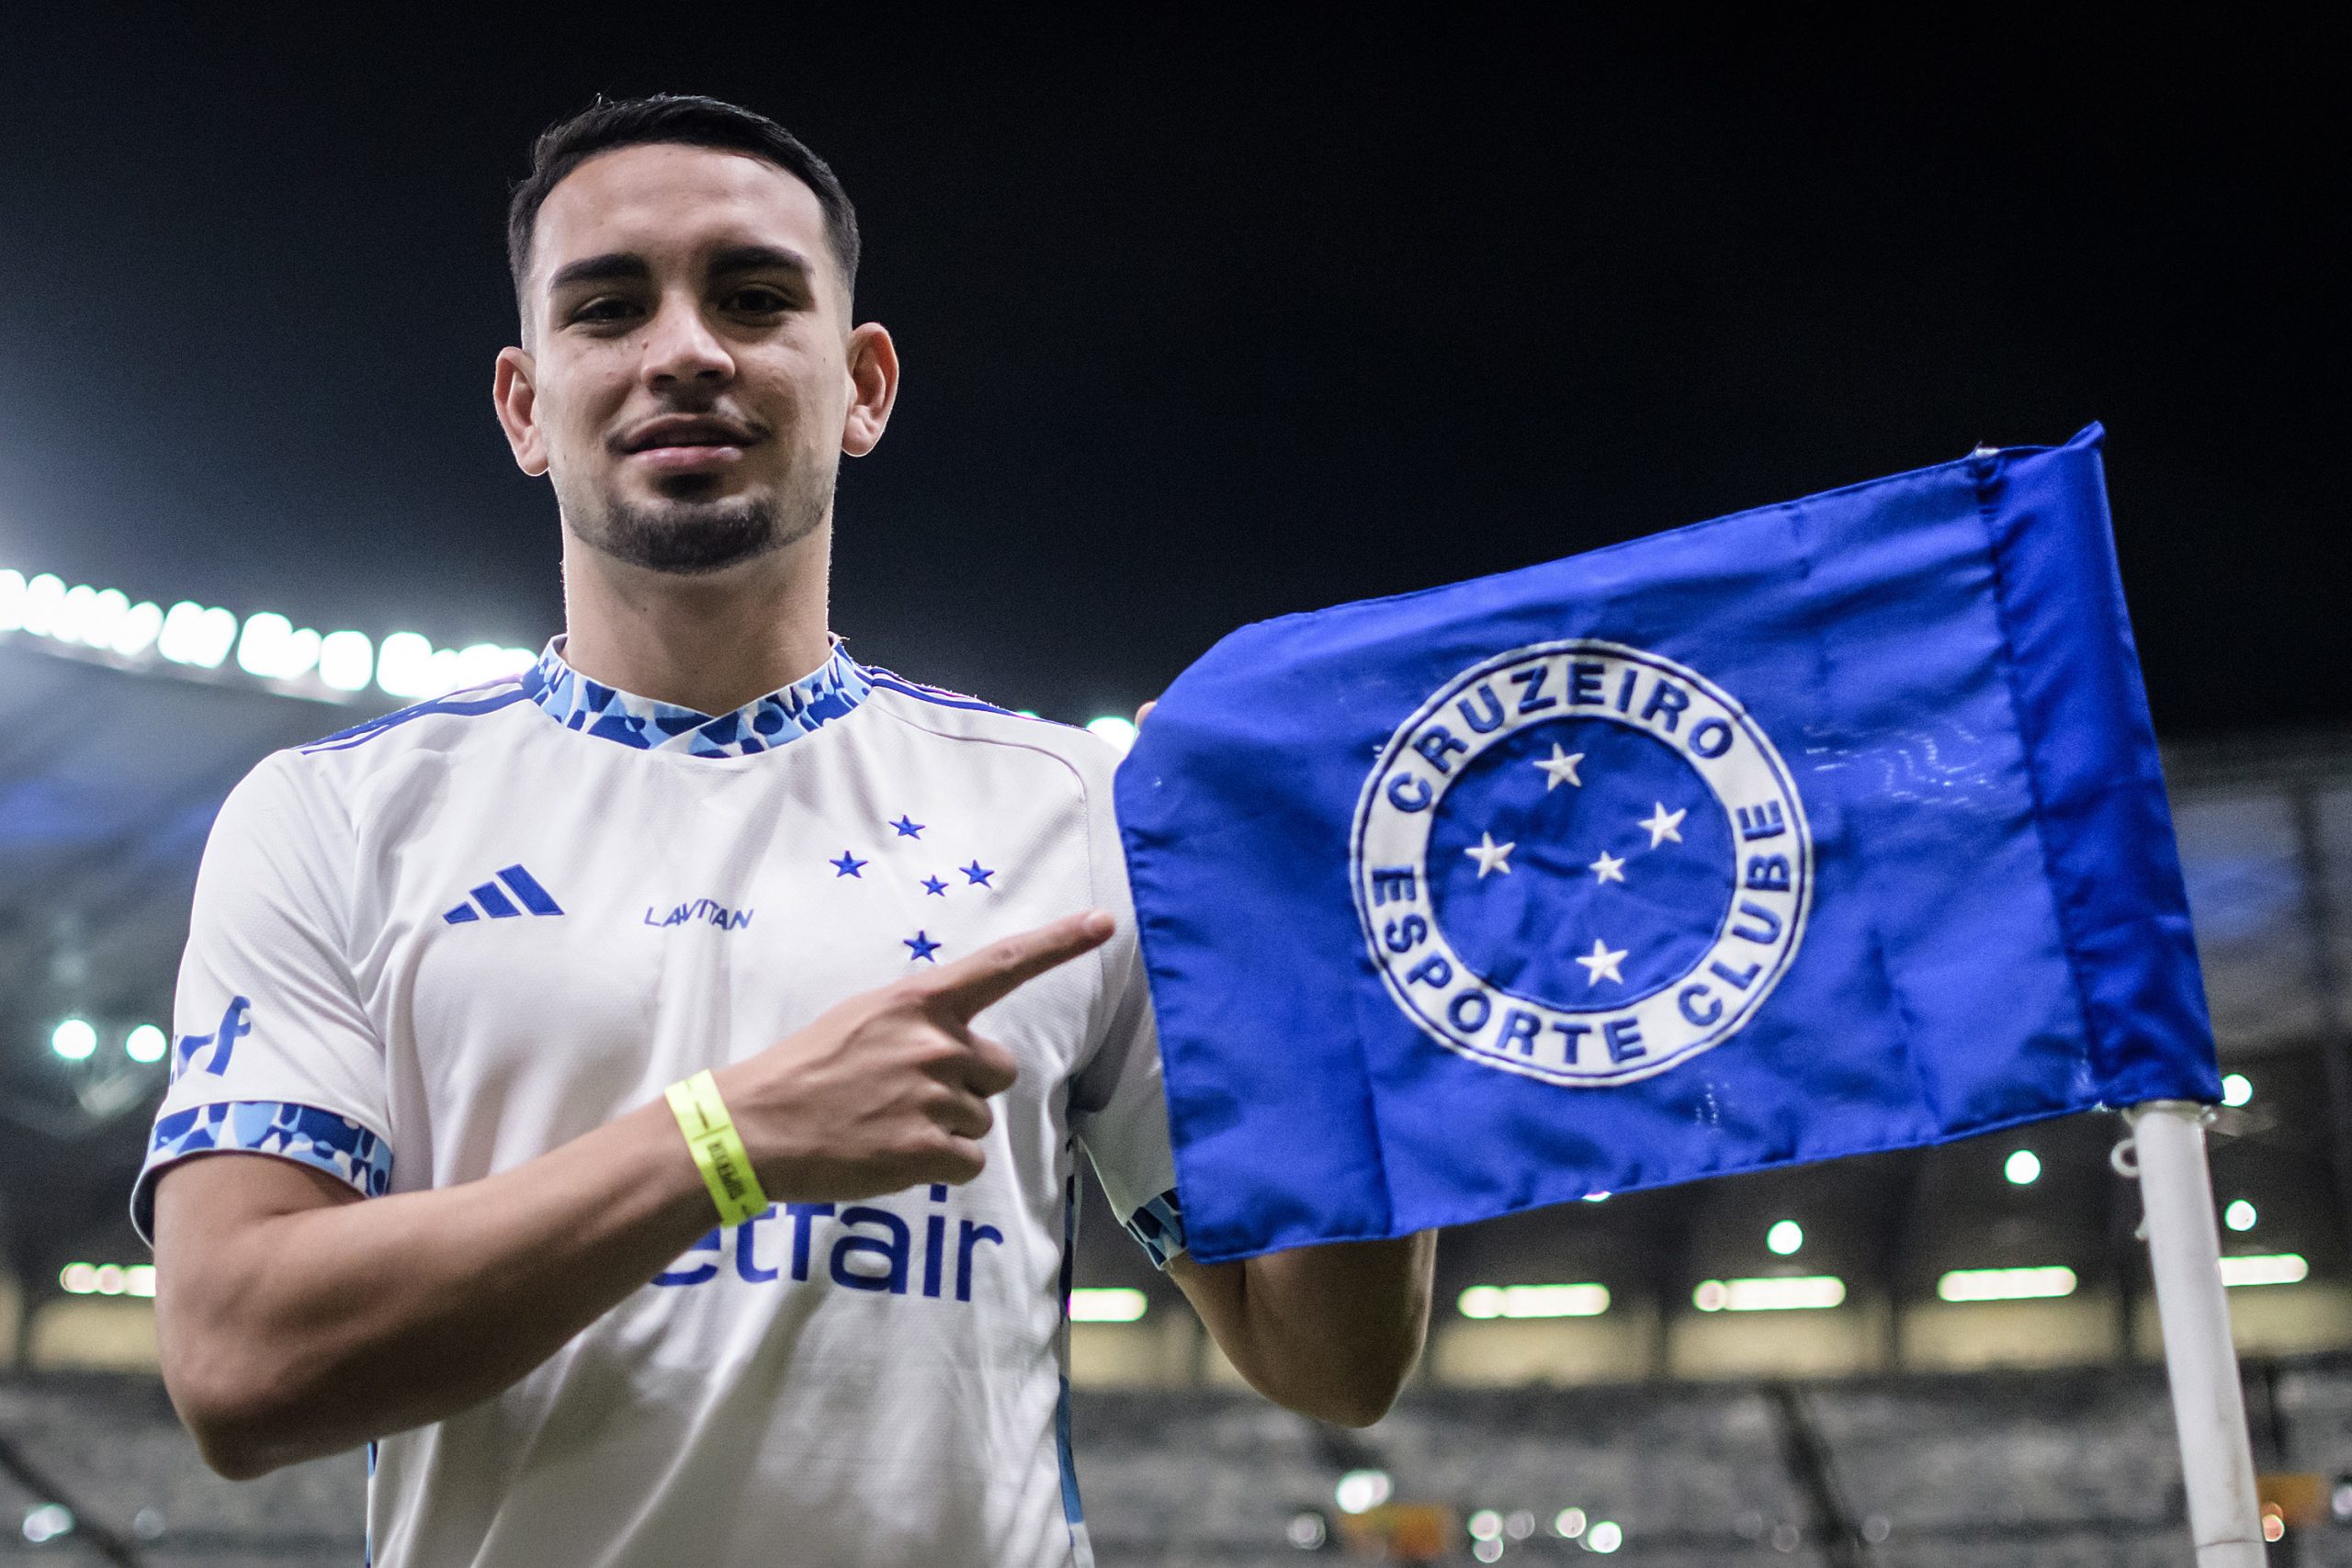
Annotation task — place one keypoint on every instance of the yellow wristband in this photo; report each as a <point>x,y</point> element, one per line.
<point>718,1151</point>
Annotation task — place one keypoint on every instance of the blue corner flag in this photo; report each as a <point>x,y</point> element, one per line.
<point>1822,828</point>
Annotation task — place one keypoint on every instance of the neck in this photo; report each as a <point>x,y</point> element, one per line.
<point>710,643</point>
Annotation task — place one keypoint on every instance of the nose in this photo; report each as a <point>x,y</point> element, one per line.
<point>680,348</point>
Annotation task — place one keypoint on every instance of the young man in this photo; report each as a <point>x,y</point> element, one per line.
<point>444,967</point>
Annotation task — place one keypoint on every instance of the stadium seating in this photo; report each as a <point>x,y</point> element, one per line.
<point>2049,1470</point>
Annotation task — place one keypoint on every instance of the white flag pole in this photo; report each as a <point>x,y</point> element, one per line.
<point>2207,1403</point>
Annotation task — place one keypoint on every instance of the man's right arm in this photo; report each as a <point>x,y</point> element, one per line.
<point>295,1320</point>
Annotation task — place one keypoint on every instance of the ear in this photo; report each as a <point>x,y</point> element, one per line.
<point>873,388</point>
<point>516,400</point>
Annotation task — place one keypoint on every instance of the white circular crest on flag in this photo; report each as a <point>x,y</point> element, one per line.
<point>1581,862</point>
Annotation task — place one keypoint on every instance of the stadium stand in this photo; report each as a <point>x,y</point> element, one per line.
<point>1899,1428</point>
<point>2042,1470</point>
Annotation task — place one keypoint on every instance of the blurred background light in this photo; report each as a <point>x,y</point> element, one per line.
<point>1534,1300</point>
<point>2005,1284</point>
<point>47,1521</point>
<point>1785,1238</point>
<point>1119,732</point>
<point>2265,1268</point>
<point>2023,1167</point>
<point>1100,1303</point>
<point>1807,1293</point>
<point>2236,1089</point>
<point>145,1044</point>
<point>136,632</point>
<point>74,1039</point>
<point>347,660</point>
<point>1359,1490</point>
<point>2240,1215</point>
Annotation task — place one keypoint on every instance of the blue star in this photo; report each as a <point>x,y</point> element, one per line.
<point>935,888</point>
<point>847,866</point>
<point>907,828</point>
<point>976,875</point>
<point>922,947</point>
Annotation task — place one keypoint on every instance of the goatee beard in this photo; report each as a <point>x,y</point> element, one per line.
<point>691,538</point>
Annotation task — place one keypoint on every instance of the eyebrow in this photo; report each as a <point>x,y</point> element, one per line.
<point>618,265</point>
<point>758,258</point>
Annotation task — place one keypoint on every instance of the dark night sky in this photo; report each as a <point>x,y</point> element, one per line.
<point>1212,322</point>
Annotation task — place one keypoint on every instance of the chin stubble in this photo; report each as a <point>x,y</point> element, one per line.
<point>693,538</point>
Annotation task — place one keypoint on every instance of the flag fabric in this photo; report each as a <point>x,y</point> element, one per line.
<point>1826,828</point>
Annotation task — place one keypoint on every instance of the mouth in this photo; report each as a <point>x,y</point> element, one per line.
<point>688,443</point>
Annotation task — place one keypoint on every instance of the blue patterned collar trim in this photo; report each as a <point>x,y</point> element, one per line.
<point>577,703</point>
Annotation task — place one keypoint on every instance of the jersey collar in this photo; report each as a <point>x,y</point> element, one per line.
<point>573,700</point>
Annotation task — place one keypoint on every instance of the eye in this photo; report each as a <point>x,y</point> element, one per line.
<point>605,308</point>
<point>758,299</point>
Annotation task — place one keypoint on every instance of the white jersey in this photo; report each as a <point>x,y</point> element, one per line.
<point>439,944</point>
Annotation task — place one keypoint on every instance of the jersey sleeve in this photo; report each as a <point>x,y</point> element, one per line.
<point>272,1052</point>
<point>1117,1106</point>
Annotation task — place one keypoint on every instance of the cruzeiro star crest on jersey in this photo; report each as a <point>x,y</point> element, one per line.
<point>1581,862</point>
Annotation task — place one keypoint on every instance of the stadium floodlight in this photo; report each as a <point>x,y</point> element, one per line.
<point>405,665</point>
<point>44,596</point>
<point>1483,1302</point>
<point>1785,1238</point>
<point>1100,1304</point>
<point>272,649</point>
<point>1360,1490</point>
<point>487,661</point>
<point>136,632</point>
<point>1604,1536</point>
<point>1569,1524</point>
<point>196,636</point>
<point>1804,1293</point>
<point>2023,1167</point>
<point>347,660</point>
<point>2268,1269</point>
<point>146,1043</point>
<point>89,616</point>
<point>2240,1215</point>
<point>73,614</point>
<point>74,1039</point>
<point>12,599</point>
<point>2236,1089</point>
<point>261,646</point>
<point>2005,1284</point>
<point>1119,732</point>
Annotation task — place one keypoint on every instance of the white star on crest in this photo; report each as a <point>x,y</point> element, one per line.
<point>1490,855</point>
<point>1558,768</point>
<point>1602,963</point>
<point>1664,825</point>
<point>1608,868</point>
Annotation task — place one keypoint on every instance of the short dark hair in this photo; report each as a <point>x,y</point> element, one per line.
<point>679,119</point>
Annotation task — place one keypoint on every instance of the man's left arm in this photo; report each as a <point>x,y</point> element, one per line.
<point>1329,1331</point>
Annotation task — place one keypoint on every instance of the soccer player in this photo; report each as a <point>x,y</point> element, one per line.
<point>670,1064</point>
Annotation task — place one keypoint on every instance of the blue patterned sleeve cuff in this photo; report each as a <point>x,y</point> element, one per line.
<point>1158,1226</point>
<point>350,1153</point>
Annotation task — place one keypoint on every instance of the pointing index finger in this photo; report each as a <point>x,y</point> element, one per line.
<point>971,985</point>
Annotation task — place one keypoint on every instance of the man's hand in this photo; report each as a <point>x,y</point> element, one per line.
<point>889,1089</point>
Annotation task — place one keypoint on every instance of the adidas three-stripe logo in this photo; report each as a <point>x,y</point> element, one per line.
<point>492,900</point>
